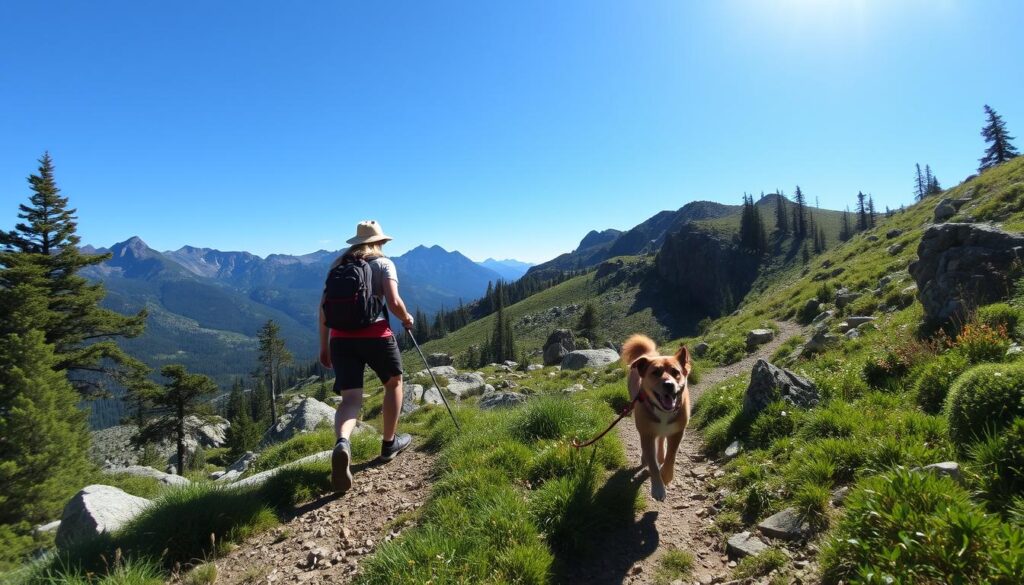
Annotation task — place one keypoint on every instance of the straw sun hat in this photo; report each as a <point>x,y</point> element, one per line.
<point>369,232</point>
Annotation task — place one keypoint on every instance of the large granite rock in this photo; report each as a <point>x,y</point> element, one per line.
<point>263,476</point>
<point>558,345</point>
<point>466,385</point>
<point>706,269</point>
<point>439,359</point>
<point>961,266</point>
<point>301,415</point>
<point>589,358</point>
<point>501,400</point>
<point>143,471</point>
<point>438,371</point>
<point>415,396</point>
<point>97,509</point>
<point>210,432</point>
<point>756,337</point>
<point>769,384</point>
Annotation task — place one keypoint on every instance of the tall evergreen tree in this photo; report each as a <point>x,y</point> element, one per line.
<point>179,409</point>
<point>862,212</point>
<point>920,183</point>
<point>800,213</point>
<point>871,211</point>
<point>846,231</point>
<point>1000,143</point>
<point>81,332</point>
<point>588,323</point>
<point>273,356</point>
<point>932,181</point>
<point>781,217</point>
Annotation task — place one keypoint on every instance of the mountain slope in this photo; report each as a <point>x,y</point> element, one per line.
<point>509,270</point>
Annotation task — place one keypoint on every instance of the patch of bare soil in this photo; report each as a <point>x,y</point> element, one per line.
<point>684,520</point>
<point>325,540</point>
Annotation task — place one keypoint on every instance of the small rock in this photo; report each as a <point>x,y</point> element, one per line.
<point>756,337</point>
<point>700,349</point>
<point>839,495</point>
<point>732,450</point>
<point>950,469</point>
<point>744,544</point>
<point>787,524</point>
<point>893,233</point>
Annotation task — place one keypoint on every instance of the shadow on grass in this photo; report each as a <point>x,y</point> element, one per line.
<point>618,541</point>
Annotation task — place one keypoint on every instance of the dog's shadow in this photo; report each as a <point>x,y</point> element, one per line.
<point>623,539</point>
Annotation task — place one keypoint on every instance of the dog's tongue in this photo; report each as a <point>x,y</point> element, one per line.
<point>667,402</point>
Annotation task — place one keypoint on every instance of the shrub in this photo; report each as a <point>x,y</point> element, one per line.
<point>936,378</point>
<point>674,565</point>
<point>999,315</point>
<point>760,564</point>
<point>728,351</point>
<point>894,361</point>
<point>982,343</point>
<point>914,527</point>
<point>778,419</point>
<point>985,399</point>
<point>998,463</point>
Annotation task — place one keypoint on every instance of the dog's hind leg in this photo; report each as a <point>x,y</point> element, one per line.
<point>668,468</point>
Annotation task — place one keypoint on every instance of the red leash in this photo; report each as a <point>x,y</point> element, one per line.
<point>625,411</point>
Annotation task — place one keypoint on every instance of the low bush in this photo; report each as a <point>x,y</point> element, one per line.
<point>727,351</point>
<point>1000,315</point>
<point>778,419</point>
<point>997,462</point>
<point>915,527</point>
<point>982,343</point>
<point>760,564</point>
<point>936,378</point>
<point>984,399</point>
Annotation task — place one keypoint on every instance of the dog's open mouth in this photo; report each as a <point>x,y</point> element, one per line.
<point>666,401</point>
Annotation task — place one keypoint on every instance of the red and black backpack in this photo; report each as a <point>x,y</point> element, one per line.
<point>349,302</point>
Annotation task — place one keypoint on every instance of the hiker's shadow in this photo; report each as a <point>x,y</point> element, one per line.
<point>620,541</point>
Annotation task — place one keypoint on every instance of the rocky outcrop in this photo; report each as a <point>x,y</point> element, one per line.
<point>466,385</point>
<point>756,337</point>
<point>961,266</point>
<point>262,477</point>
<point>437,371</point>
<point>707,269</point>
<point>589,358</point>
<point>439,359</point>
<point>112,446</point>
<point>414,396</point>
<point>947,208</point>
<point>558,345</point>
<point>769,384</point>
<point>97,509</point>
<point>501,400</point>
<point>301,415</point>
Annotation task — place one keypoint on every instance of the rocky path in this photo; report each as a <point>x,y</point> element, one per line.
<point>683,520</point>
<point>324,540</point>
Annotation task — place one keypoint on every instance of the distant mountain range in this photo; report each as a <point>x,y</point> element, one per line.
<point>206,305</point>
<point>510,270</point>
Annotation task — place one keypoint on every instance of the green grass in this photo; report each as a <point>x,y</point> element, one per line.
<point>674,564</point>
<point>760,564</point>
<point>513,501</point>
<point>365,446</point>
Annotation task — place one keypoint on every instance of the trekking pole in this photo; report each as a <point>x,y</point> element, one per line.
<point>431,372</point>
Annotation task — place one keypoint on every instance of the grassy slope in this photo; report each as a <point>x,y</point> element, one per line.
<point>870,422</point>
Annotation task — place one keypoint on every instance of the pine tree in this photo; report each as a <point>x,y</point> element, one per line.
<point>932,181</point>
<point>781,218</point>
<point>871,211</point>
<point>800,214</point>
<point>259,402</point>
<point>822,243</point>
<point>1001,148</point>
<point>920,183</point>
<point>43,434</point>
<point>588,323</point>
<point>273,355</point>
<point>178,408</point>
<point>81,332</point>
<point>846,231</point>
<point>421,328</point>
<point>862,212</point>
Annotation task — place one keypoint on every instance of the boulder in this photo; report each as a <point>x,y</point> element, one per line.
<point>756,337</point>
<point>260,478</point>
<point>855,322</point>
<point>558,345</point>
<point>301,415</point>
<point>893,233</point>
<point>852,334</point>
<point>769,383</point>
<point>143,471</point>
<point>700,349</point>
<point>534,367</point>
<point>944,210</point>
<point>501,400</point>
<point>243,463</point>
<point>415,396</point>
<point>46,528</point>
<point>812,307</point>
<point>437,371</point>
<point>896,248</point>
<point>950,469</point>
<point>788,524</point>
<point>845,297</point>
<point>510,364</point>
<point>961,266</point>
<point>96,509</point>
<point>466,385</point>
<point>589,358</point>
<point>732,450</point>
<point>872,238</point>
<point>439,359</point>
<point>822,317</point>
<point>821,341</point>
<point>210,432</point>
<point>744,544</point>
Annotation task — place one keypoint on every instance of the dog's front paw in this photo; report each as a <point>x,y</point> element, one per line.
<point>658,492</point>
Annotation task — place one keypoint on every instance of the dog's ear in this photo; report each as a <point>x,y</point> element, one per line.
<point>641,364</point>
<point>683,356</point>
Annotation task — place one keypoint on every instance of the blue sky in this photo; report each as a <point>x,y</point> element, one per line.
<point>504,130</point>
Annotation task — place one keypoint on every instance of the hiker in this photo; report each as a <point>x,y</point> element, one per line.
<point>354,333</point>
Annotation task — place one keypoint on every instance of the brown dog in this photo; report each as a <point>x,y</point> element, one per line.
<point>663,408</point>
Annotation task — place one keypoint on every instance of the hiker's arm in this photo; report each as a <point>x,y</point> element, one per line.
<point>396,304</point>
<point>324,333</point>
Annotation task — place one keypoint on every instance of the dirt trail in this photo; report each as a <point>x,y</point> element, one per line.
<point>324,540</point>
<point>680,522</point>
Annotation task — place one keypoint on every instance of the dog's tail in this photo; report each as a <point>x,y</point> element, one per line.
<point>636,346</point>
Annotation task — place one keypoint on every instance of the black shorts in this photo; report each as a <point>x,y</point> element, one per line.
<point>350,355</point>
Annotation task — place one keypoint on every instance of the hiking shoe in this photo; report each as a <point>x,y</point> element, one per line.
<point>341,475</point>
<point>401,443</point>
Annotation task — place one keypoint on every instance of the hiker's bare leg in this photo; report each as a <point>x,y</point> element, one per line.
<point>392,407</point>
<point>347,413</point>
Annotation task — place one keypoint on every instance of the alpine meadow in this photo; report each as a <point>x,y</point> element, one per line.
<point>812,211</point>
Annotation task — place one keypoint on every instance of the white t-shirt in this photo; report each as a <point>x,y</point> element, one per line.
<point>382,269</point>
